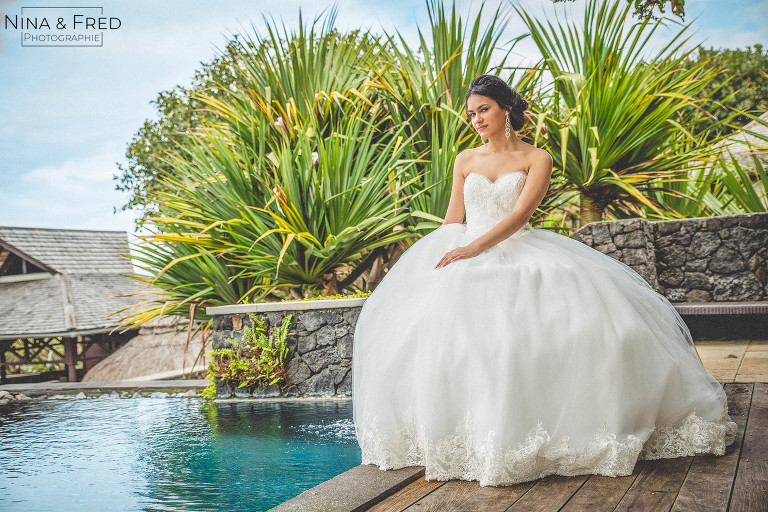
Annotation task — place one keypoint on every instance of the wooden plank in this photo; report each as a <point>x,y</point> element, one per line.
<point>549,493</point>
<point>657,485</point>
<point>469,496</point>
<point>406,496</point>
<point>646,501</point>
<point>601,493</point>
<point>750,489</point>
<point>707,486</point>
<point>664,475</point>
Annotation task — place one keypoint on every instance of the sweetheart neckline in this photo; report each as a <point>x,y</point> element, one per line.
<point>497,179</point>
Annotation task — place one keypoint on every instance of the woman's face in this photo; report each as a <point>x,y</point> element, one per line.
<point>485,115</point>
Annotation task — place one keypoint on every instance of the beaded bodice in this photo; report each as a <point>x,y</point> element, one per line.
<point>488,202</point>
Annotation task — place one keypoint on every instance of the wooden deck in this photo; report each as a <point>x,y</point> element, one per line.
<point>737,481</point>
<point>734,482</point>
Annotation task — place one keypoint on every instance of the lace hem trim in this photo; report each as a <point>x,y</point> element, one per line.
<point>460,456</point>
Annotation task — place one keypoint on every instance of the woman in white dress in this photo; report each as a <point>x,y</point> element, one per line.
<point>502,353</point>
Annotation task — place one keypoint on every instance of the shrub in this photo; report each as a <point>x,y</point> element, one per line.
<point>257,359</point>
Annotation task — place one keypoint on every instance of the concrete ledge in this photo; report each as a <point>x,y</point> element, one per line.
<point>352,491</point>
<point>288,305</point>
<point>178,374</point>
<point>127,385</point>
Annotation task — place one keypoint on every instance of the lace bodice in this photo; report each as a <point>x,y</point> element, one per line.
<point>488,202</point>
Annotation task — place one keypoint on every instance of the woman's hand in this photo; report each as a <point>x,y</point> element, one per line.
<point>467,251</point>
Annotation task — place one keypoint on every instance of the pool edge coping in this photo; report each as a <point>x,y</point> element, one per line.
<point>298,305</point>
<point>354,490</point>
<point>125,385</point>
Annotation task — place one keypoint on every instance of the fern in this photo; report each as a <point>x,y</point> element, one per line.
<point>256,360</point>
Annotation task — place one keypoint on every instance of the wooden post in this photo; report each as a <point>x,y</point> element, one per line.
<point>2,363</point>
<point>70,358</point>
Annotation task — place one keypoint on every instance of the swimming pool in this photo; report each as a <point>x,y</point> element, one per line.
<point>128,454</point>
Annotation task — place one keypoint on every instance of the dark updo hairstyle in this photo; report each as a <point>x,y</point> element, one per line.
<point>507,98</point>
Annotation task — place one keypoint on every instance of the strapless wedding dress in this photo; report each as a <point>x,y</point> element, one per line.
<point>538,356</point>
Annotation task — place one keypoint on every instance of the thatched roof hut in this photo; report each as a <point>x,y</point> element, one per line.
<point>160,351</point>
<point>63,282</point>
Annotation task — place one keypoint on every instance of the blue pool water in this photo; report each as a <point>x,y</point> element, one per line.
<point>170,454</point>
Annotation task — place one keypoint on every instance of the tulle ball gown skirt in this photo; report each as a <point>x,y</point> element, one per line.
<point>538,356</point>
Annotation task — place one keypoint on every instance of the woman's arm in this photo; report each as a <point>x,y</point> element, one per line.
<point>455,212</point>
<point>534,190</point>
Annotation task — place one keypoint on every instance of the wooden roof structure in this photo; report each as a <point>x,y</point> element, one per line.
<point>63,282</point>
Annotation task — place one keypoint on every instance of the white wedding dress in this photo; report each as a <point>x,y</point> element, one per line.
<point>538,356</point>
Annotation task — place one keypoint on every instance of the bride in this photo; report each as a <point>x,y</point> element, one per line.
<point>502,353</point>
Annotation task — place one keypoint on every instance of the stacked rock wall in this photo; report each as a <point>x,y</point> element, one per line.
<point>709,259</point>
<point>629,241</point>
<point>319,351</point>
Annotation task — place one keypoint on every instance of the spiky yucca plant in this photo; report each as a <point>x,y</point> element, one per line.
<point>617,123</point>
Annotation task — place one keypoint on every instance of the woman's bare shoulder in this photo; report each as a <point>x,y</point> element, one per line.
<point>541,160</point>
<point>538,154</point>
<point>467,154</point>
<point>543,155</point>
<point>464,159</point>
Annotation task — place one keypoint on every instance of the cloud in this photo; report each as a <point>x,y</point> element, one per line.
<point>77,194</point>
<point>68,113</point>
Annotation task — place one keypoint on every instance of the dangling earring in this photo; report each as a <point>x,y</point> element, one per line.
<point>507,127</point>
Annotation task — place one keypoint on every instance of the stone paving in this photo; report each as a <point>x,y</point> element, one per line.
<point>735,360</point>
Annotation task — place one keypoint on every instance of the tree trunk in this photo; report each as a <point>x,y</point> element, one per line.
<point>588,210</point>
<point>330,284</point>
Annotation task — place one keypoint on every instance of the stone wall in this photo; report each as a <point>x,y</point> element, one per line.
<point>708,259</point>
<point>319,351</point>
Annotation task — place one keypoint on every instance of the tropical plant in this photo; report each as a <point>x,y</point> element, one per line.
<point>303,69</point>
<point>615,124</point>
<point>746,190</point>
<point>232,229</point>
<point>301,80</point>
<point>732,183</point>
<point>332,205</point>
